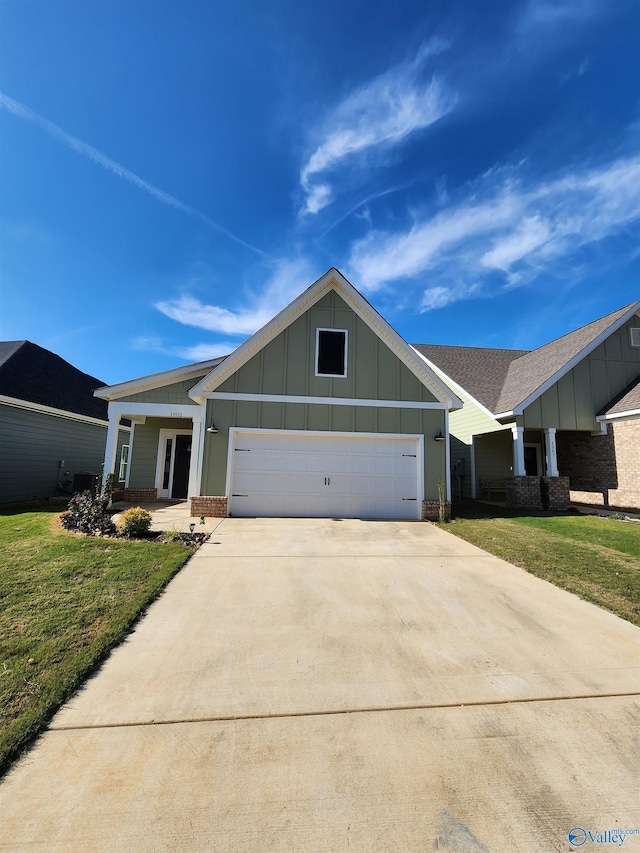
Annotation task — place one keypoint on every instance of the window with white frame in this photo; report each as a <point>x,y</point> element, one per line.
<point>331,352</point>
<point>634,336</point>
<point>124,461</point>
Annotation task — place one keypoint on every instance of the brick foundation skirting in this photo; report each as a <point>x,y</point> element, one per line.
<point>142,495</point>
<point>210,507</point>
<point>431,510</point>
<point>524,492</point>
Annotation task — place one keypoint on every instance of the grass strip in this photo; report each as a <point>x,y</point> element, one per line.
<point>596,558</point>
<point>65,602</point>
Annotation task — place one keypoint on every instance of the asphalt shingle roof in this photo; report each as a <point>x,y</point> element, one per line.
<point>627,401</point>
<point>30,372</point>
<point>502,379</point>
<point>532,370</point>
<point>479,370</point>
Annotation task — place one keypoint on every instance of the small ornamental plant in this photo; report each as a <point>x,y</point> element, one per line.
<point>133,522</point>
<point>88,514</point>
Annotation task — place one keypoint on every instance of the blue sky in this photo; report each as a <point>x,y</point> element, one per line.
<point>174,172</point>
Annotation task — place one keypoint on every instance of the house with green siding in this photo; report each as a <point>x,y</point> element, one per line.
<point>51,425</point>
<point>567,412</point>
<point>324,412</point>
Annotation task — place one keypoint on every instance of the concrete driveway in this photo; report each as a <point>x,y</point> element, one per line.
<point>345,685</point>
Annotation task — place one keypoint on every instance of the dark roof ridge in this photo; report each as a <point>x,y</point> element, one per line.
<point>468,346</point>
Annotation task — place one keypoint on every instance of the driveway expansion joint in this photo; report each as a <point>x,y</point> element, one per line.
<point>231,718</point>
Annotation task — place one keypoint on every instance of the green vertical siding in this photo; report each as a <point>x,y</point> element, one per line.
<point>573,402</point>
<point>464,423</point>
<point>144,455</point>
<point>229,413</point>
<point>177,392</point>
<point>286,365</point>
<point>32,445</point>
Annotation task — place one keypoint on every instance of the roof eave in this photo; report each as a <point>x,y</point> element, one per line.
<point>615,416</point>
<point>572,362</point>
<point>156,380</point>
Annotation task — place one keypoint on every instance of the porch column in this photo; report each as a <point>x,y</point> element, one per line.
<point>518,451</point>
<point>111,446</point>
<point>552,456</point>
<point>196,454</point>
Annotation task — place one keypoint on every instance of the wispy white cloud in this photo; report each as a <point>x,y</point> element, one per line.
<point>383,112</point>
<point>506,227</point>
<point>197,352</point>
<point>288,277</point>
<point>545,13</point>
<point>86,150</point>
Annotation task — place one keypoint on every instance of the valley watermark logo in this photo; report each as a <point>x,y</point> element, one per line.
<point>579,836</point>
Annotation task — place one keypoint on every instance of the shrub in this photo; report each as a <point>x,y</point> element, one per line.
<point>134,522</point>
<point>88,514</point>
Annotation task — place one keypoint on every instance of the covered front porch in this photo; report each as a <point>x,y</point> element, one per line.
<point>508,465</point>
<point>162,460</point>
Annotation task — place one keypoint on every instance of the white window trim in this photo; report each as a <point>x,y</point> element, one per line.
<point>346,353</point>
<point>634,337</point>
<point>124,463</point>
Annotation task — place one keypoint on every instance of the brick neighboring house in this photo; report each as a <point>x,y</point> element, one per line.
<point>568,411</point>
<point>51,425</point>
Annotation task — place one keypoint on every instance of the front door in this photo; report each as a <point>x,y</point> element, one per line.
<point>532,460</point>
<point>181,462</point>
<point>174,460</point>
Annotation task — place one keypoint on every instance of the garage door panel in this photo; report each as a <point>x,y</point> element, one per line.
<point>347,476</point>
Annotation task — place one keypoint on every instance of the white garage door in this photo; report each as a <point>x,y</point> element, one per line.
<point>324,475</point>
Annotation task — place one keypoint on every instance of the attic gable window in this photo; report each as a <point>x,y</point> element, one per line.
<point>331,352</point>
<point>634,335</point>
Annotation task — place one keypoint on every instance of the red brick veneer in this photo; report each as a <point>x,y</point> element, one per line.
<point>211,507</point>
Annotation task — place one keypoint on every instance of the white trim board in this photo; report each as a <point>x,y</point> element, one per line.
<point>49,410</point>
<point>157,380</point>
<point>456,386</point>
<point>326,401</point>
<point>155,410</point>
<point>632,413</point>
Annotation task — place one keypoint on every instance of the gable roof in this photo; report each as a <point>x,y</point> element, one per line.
<point>331,280</point>
<point>506,381</point>
<point>31,373</point>
<point>158,380</point>
<point>478,370</point>
<point>627,403</point>
<point>531,374</point>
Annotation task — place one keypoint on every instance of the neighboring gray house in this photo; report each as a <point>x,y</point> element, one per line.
<point>324,412</point>
<point>568,411</point>
<point>51,425</point>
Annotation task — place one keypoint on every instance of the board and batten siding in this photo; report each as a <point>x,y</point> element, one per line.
<point>574,400</point>
<point>464,423</point>
<point>318,417</point>
<point>177,393</point>
<point>32,445</point>
<point>145,453</point>
<point>286,365</point>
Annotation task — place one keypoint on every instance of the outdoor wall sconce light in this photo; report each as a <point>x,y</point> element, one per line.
<point>439,436</point>
<point>213,429</point>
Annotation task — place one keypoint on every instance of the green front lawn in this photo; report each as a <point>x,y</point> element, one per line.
<point>65,601</point>
<point>593,557</point>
